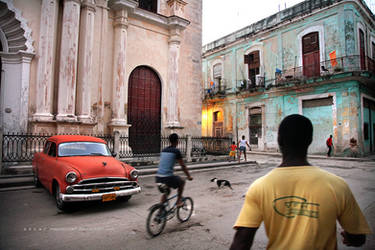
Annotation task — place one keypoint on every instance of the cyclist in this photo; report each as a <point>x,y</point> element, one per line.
<point>165,175</point>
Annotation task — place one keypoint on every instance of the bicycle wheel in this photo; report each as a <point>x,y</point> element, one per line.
<point>184,213</point>
<point>156,221</point>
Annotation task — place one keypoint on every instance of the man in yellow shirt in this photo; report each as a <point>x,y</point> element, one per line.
<point>299,203</point>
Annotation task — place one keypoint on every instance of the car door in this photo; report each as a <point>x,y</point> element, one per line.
<point>49,164</point>
<point>40,164</point>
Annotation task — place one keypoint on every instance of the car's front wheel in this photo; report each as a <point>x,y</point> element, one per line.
<point>59,202</point>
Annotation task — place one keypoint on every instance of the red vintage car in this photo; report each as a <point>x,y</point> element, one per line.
<point>82,168</point>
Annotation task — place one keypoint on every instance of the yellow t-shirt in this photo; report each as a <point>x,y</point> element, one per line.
<point>299,207</point>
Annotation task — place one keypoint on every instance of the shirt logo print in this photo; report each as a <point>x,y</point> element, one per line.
<point>292,206</point>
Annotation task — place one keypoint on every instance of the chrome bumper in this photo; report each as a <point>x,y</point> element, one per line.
<point>98,196</point>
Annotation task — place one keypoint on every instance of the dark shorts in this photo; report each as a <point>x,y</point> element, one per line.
<point>243,149</point>
<point>173,181</point>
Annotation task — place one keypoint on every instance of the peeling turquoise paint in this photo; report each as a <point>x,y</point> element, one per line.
<point>280,48</point>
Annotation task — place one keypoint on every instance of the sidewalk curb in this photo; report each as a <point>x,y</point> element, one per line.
<point>276,154</point>
<point>15,182</point>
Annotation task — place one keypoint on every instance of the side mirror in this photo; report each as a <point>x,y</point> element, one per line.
<point>114,154</point>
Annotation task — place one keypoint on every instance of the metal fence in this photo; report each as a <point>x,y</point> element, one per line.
<point>18,147</point>
<point>125,149</point>
<point>210,145</point>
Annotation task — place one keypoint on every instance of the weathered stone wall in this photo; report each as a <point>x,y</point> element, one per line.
<point>86,91</point>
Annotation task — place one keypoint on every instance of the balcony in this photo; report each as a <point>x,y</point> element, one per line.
<point>323,70</point>
<point>216,91</point>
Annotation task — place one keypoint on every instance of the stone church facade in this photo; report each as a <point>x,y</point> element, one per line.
<point>99,66</point>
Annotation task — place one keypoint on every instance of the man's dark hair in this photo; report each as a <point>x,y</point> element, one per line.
<point>173,138</point>
<point>295,134</point>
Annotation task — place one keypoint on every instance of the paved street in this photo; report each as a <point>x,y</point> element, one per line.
<point>30,220</point>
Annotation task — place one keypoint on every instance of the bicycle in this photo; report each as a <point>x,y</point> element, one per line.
<point>161,212</point>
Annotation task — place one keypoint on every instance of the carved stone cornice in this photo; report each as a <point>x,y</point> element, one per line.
<point>89,5</point>
<point>122,4</point>
<point>177,22</point>
<point>176,7</point>
<point>16,58</point>
<point>121,19</point>
<point>76,1</point>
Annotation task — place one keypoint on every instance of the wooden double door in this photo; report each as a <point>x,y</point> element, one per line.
<point>311,54</point>
<point>144,110</point>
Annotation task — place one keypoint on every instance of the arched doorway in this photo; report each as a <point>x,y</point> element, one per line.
<point>144,110</point>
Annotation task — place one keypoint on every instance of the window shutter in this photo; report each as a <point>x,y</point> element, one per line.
<point>217,70</point>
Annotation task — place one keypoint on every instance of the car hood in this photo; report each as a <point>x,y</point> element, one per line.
<point>95,166</point>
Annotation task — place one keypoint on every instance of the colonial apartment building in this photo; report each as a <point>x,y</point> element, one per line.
<point>315,58</point>
<point>98,66</point>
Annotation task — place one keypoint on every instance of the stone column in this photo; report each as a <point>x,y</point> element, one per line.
<point>46,62</point>
<point>172,78</point>
<point>176,25</point>
<point>68,61</point>
<point>15,84</point>
<point>119,90</point>
<point>102,13</point>
<point>85,61</point>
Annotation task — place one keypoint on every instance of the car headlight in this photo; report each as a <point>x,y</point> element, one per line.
<point>71,177</point>
<point>134,174</point>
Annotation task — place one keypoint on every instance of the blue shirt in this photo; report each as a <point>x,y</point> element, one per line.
<point>168,159</point>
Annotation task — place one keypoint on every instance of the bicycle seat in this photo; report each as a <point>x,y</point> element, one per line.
<point>163,188</point>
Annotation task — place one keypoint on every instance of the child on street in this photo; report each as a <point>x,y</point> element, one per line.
<point>232,152</point>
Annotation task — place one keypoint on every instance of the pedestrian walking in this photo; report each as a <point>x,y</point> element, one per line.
<point>242,144</point>
<point>299,203</point>
<point>329,143</point>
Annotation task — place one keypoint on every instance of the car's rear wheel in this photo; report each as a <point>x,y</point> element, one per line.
<point>59,202</point>
<point>36,180</point>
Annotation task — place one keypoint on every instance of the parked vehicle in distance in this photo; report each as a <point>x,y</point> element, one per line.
<point>81,168</point>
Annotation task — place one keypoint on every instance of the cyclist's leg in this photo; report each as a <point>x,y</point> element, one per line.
<point>176,181</point>
<point>180,190</point>
<point>162,180</point>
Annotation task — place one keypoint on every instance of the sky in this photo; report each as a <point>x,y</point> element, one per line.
<point>222,17</point>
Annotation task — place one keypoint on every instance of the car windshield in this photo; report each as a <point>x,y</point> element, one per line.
<point>83,149</point>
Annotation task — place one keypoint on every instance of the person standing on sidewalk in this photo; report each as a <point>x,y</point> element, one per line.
<point>299,203</point>
<point>242,144</point>
<point>329,145</point>
<point>232,152</point>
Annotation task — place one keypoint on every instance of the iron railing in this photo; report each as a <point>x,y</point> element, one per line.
<point>126,150</point>
<point>19,147</point>
<point>297,75</point>
<point>326,68</point>
<point>216,145</point>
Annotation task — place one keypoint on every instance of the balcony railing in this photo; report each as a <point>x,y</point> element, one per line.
<point>326,68</point>
<point>301,74</point>
<point>215,90</point>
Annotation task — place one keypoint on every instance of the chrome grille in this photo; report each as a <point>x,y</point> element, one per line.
<point>103,185</point>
